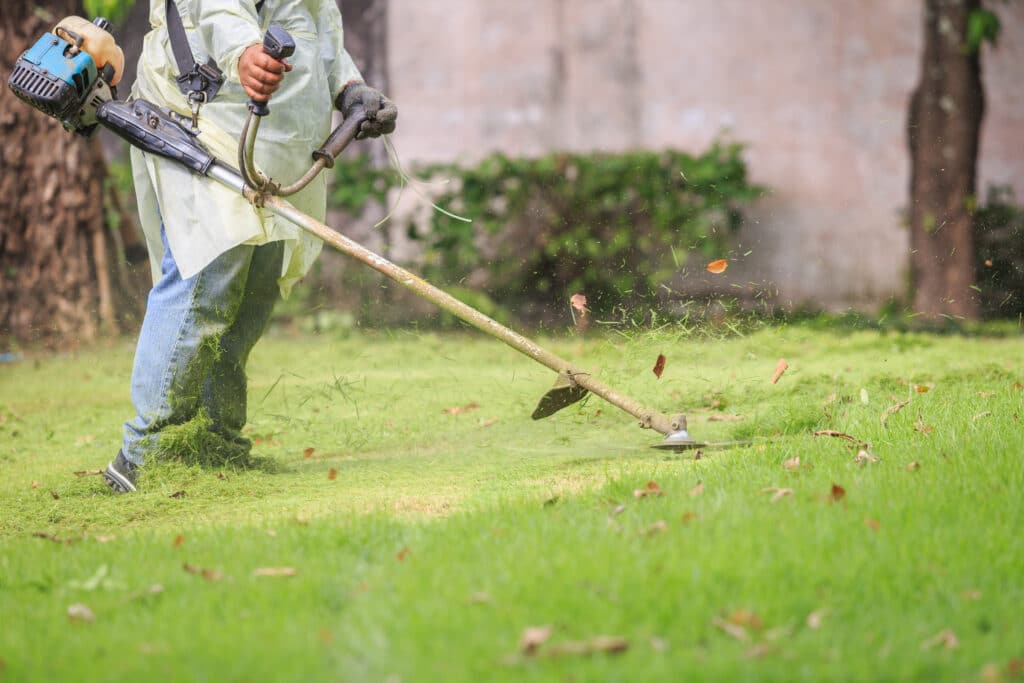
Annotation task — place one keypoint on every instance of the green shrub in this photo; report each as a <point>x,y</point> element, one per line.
<point>612,226</point>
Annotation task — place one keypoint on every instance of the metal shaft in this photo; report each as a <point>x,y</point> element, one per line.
<point>648,417</point>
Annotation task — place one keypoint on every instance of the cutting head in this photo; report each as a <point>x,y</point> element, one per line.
<point>562,395</point>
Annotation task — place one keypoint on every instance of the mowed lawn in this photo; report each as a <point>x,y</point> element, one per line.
<point>409,522</point>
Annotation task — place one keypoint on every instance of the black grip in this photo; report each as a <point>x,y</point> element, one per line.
<point>279,44</point>
<point>340,137</point>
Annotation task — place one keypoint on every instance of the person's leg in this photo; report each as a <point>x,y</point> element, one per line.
<point>224,393</point>
<point>178,345</point>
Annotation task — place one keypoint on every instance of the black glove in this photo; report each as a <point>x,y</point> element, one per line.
<point>380,111</point>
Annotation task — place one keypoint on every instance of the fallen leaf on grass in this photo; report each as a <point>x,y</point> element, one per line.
<point>838,493</point>
<point>840,435</point>
<point>863,457</point>
<point>689,516</point>
<point>1015,667</point>
<point>618,510</point>
<point>923,388</point>
<point>659,365</point>
<point>48,537</point>
<point>717,267</point>
<point>177,494</point>
<point>921,427</point>
<point>80,612</point>
<point>777,493</point>
<point>533,637</point>
<point>945,639</point>
<point>493,421</point>
<point>792,464</point>
<point>208,574</point>
<point>734,630</point>
<point>892,410</point>
<point>656,528</point>
<point>815,618</point>
<point>104,539</point>
<point>872,523</point>
<point>308,453</point>
<point>86,473</point>
<point>35,484</point>
<point>403,553</point>
<point>579,302</point>
<point>746,619</point>
<point>652,489</point>
<point>178,540</point>
<point>607,644</point>
<point>275,571</point>
<point>54,495</point>
<point>697,490</point>
<point>332,474</point>
<point>914,466</point>
<point>458,410</point>
<point>780,368</point>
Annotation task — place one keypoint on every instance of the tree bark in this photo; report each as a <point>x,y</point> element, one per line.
<point>944,127</point>
<point>59,284</point>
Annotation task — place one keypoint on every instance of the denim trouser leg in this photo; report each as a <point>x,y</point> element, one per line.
<point>195,338</point>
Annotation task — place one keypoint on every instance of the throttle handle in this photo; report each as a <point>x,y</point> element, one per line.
<point>278,44</point>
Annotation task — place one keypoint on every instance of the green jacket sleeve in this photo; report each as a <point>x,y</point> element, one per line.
<point>226,27</point>
<point>341,70</point>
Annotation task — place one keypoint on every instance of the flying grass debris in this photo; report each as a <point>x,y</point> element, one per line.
<point>717,267</point>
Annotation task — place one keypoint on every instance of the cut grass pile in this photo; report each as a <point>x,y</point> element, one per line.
<point>410,523</point>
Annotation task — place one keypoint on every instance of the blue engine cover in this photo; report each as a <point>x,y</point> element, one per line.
<point>52,79</point>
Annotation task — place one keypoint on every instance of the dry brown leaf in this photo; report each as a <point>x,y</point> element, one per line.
<point>178,540</point>
<point>717,267</point>
<point>459,410</point>
<point>659,365</point>
<point>208,574</point>
<point>579,302</point>
<point>988,263</point>
<point>689,516</point>
<point>533,637</point>
<point>872,523</point>
<point>652,489</point>
<point>838,492</point>
<point>1015,667</point>
<point>945,639</point>
<point>697,490</point>
<point>747,619</point>
<point>48,537</point>
<point>923,388</point>
<point>86,473</point>
<point>610,644</point>
<point>734,630</point>
<point>656,528</point>
<point>403,553</point>
<point>332,474</point>
<point>54,495</point>
<point>780,368</point>
<point>792,464</point>
<point>275,571</point>
<point>777,493</point>
<point>35,484</point>
<point>815,618</point>
<point>863,457</point>
<point>104,539</point>
<point>177,494</point>
<point>840,435</point>
<point>80,612</point>
<point>892,410</point>
<point>921,427</point>
<point>308,453</point>
<point>914,466</point>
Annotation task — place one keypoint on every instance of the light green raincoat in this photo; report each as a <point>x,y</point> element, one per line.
<point>202,218</point>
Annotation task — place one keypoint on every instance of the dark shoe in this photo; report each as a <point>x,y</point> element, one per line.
<point>120,474</point>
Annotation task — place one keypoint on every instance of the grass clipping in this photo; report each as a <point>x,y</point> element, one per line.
<point>196,443</point>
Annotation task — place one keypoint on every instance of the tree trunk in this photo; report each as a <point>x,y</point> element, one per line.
<point>59,280</point>
<point>944,126</point>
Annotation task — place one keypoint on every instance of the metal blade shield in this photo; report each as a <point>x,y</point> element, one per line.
<point>562,395</point>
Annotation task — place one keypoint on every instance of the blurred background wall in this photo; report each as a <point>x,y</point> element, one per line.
<point>818,91</point>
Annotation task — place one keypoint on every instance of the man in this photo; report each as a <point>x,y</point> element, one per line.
<point>219,264</point>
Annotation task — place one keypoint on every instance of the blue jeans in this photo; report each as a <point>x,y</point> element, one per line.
<point>195,339</point>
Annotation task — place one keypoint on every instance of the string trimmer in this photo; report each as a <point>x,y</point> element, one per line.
<point>60,77</point>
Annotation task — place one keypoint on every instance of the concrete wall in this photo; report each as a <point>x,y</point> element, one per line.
<point>818,90</point>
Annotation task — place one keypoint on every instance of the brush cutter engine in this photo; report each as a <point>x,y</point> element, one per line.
<point>60,79</point>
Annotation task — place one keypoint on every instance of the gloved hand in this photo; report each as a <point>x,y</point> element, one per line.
<point>380,111</point>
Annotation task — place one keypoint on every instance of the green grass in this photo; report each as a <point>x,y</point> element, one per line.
<point>442,537</point>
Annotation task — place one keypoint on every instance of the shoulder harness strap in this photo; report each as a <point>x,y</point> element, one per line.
<point>199,82</point>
